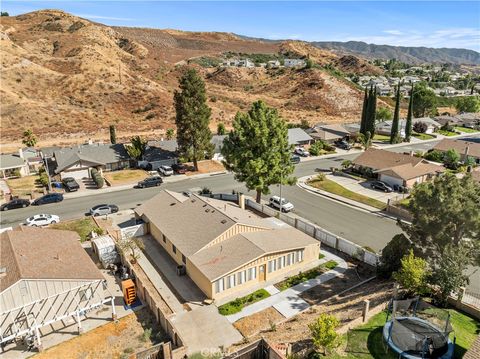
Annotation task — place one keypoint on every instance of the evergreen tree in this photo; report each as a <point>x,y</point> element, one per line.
<point>192,118</point>
<point>394,133</point>
<point>371,111</point>
<point>363,121</point>
<point>29,138</point>
<point>408,126</point>
<point>113,134</point>
<point>257,149</point>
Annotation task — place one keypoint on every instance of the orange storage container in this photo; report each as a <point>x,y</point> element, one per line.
<point>128,289</point>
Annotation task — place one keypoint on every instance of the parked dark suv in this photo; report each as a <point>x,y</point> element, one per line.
<point>150,182</point>
<point>15,203</point>
<point>180,168</point>
<point>342,144</point>
<point>381,186</point>
<point>70,184</point>
<point>48,198</point>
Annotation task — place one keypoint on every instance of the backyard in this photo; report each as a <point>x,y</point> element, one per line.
<point>333,187</point>
<point>83,227</point>
<point>117,178</point>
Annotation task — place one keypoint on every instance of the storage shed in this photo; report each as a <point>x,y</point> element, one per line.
<point>104,247</point>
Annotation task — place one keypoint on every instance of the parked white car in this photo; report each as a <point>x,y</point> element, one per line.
<point>40,220</point>
<point>302,152</point>
<point>165,170</point>
<point>284,207</point>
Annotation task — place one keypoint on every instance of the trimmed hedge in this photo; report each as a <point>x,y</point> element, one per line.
<point>236,305</point>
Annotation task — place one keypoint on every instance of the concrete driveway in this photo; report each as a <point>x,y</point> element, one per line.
<point>363,188</point>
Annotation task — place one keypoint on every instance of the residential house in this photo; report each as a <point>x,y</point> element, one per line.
<point>384,90</point>
<point>444,119</point>
<point>396,168</point>
<point>45,277</point>
<point>328,133</point>
<point>13,165</point>
<point>432,125</point>
<point>246,63</point>
<point>273,64</point>
<point>470,120</point>
<point>294,63</point>
<point>298,137</point>
<point>77,161</point>
<point>224,248</point>
<point>463,147</point>
<point>385,127</point>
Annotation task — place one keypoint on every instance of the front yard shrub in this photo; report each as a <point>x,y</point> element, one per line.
<point>303,277</point>
<point>330,264</point>
<point>236,305</point>
<point>316,148</point>
<point>435,156</point>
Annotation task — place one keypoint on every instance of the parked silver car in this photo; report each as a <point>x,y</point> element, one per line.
<point>103,209</point>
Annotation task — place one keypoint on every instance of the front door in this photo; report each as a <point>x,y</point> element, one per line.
<point>263,272</point>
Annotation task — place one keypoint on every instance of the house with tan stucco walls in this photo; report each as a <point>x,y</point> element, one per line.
<point>225,249</point>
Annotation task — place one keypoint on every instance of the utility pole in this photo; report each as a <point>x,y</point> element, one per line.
<point>281,200</point>
<point>45,161</point>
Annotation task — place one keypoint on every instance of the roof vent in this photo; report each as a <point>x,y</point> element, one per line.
<point>205,205</point>
<point>223,221</point>
<point>207,210</point>
<point>3,271</point>
<point>172,204</point>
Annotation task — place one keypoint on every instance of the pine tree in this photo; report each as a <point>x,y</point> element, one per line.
<point>408,126</point>
<point>394,133</point>
<point>192,118</point>
<point>371,111</point>
<point>113,134</point>
<point>363,121</point>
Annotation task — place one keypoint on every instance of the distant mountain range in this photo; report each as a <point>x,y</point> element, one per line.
<point>412,55</point>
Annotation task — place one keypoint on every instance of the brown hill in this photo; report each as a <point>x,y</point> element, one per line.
<point>68,78</point>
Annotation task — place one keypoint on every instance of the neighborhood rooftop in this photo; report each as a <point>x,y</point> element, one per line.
<point>381,159</point>
<point>461,146</point>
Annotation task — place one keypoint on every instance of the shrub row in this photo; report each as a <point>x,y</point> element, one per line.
<point>97,177</point>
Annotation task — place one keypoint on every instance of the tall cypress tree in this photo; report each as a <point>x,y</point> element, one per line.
<point>394,133</point>
<point>371,109</point>
<point>192,118</point>
<point>363,122</point>
<point>408,126</point>
<point>113,134</point>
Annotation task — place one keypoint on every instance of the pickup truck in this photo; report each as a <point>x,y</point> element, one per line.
<point>70,184</point>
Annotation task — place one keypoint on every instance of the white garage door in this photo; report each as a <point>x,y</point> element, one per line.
<point>391,180</point>
<point>78,174</point>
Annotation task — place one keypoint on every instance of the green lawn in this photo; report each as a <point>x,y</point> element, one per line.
<point>310,274</point>
<point>465,129</point>
<point>236,305</point>
<point>383,138</point>
<point>82,226</point>
<point>366,341</point>
<point>422,136</point>
<point>447,133</point>
<point>335,188</point>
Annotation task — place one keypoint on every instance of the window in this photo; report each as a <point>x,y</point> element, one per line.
<point>85,294</point>
<point>174,249</point>
<point>231,281</point>
<point>300,255</point>
<point>279,263</point>
<point>164,238</point>
<point>289,259</point>
<point>272,266</point>
<point>241,277</point>
<point>252,273</point>
<point>219,286</point>
<point>184,260</point>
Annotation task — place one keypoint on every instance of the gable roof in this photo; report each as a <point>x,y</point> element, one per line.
<point>11,161</point>
<point>334,128</point>
<point>39,253</point>
<point>460,146</point>
<point>409,170</point>
<point>95,154</point>
<point>296,135</point>
<point>380,159</point>
<point>318,133</point>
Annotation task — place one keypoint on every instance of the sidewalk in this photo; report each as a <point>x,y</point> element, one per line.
<point>288,302</point>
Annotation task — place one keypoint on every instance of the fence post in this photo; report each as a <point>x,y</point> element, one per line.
<point>337,239</point>
<point>314,232</point>
<point>461,294</point>
<point>366,309</point>
<point>296,223</point>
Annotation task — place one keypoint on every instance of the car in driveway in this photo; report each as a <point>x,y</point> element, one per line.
<point>382,186</point>
<point>302,152</point>
<point>165,170</point>
<point>70,184</point>
<point>48,198</point>
<point>40,220</point>
<point>179,168</point>
<point>342,144</point>
<point>285,206</point>
<point>150,182</point>
<point>15,203</point>
<point>103,209</point>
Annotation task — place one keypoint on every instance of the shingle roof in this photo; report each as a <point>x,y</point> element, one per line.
<point>324,135</point>
<point>334,128</point>
<point>474,351</point>
<point>95,154</point>
<point>380,159</point>
<point>460,146</point>
<point>408,170</point>
<point>38,253</point>
<point>11,161</point>
<point>296,135</point>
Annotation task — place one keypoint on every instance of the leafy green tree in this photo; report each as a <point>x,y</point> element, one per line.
<point>434,155</point>
<point>257,149</point>
<point>4,13</point>
<point>346,164</point>
<point>469,161</point>
<point>365,140</point>
<point>395,134</point>
<point>384,114</point>
<point>29,138</point>
<point>363,121</point>
<point>221,130</point>
<point>468,104</point>
<point>408,125</point>
<point>170,133</point>
<point>113,134</point>
<point>304,124</point>
<point>451,159</point>
<point>424,101</point>
<point>323,332</point>
<point>192,118</point>
<point>413,274</point>
<point>392,254</point>
<point>137,147</point>
<point>316,148</point>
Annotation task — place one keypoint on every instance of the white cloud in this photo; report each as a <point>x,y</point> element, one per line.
<point>393,32</point>
<point>101,17</point>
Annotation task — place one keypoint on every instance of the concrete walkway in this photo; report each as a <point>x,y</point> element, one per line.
<point>288,302</point>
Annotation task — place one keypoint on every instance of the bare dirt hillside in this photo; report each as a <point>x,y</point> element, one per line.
<point>68,78</point>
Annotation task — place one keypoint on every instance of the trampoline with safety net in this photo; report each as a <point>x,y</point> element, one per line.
<point>415,329</point>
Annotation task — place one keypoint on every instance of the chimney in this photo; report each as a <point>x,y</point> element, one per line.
<point>20,153</point>
<point>90,141</point>
<point>241,201</point>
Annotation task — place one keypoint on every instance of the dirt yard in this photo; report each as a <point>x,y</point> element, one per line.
<point>122,177</point>
<point>131,334</point>
<point>24,186</point>
<point>207,166</point>
<point>258,322</point>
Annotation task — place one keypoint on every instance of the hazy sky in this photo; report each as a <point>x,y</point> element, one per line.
<point>407,23</point>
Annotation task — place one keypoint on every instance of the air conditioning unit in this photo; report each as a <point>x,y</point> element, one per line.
<point>181,270</point>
